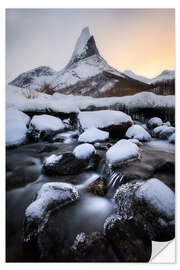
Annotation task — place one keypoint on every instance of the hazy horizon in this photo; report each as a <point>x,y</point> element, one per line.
<point>141,40</point>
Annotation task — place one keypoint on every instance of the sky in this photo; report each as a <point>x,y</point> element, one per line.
<point>142,40</point>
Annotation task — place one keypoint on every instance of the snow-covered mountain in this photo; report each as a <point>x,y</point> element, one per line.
<point>27,78</point>
<point>87,73</point>
<point>131,74</point>
<point>163,76</point>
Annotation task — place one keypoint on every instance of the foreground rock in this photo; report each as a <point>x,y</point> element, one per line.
<point>44,126</point>
<point>154,122</point>
<point>16,127</point>
<point>138,132</point>
<point>50,197</point>
<point>114,122</point>
<point>150,203</point>
<point>93,247</point>
<point>129,240</point>
<point>83,158</point>
<point>122,151</point>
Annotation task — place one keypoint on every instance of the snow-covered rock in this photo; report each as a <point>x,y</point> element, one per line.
<point>154,122</point>
<point>172,138</point>
<point>83,158</point>
<point>136,141</point>
<point>93,135</point>
<point>46,122</point>
<point>115,122</point>
<point>138,132</point>
<point>51,194</point>
<point>16,127</point>
<point>84,151</point>
<point>168,124</point>
<point>150,202</point>
<point>159,198</point>
<point>103,119</point>
<point>163,132</point>
<point>52,160</point>
<point>121,151</point>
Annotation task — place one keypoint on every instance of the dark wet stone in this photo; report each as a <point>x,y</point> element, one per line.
<point>69,165</point>
<point>93,247</point>
<point>129,240</point>
<point>98,187</point>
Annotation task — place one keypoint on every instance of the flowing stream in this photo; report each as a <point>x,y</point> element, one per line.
<point>24,179</point>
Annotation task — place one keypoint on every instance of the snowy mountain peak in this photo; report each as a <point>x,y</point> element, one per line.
<point>164,76</point>
<point>85,47</point>
<point>26,78</point>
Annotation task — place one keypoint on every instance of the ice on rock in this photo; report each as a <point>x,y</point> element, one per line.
<point>102,119</point>
<point>122,150</point>
<point>46,122</point>
<point>84,151</point>
<point>16,127</point>
<point>138,132</point>
<point>93,135</point>
<point>49,193</point>
<point>159,196</point>
<point>154,122</point>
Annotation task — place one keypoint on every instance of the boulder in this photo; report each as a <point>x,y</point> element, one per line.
<point>68,164</point>
<point>154,122</point>
<point>114,122</point>
<point>39,231</point>
<point>98,187</point>
<point>163,132</point>
<point>122,151</point>
<point>138,132</point>
<point>129,240</point>
<point>92,135</point>
<point>44,127</point>
<point>16,127</point>
<point>151,203</point>
<point>92,247</point>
